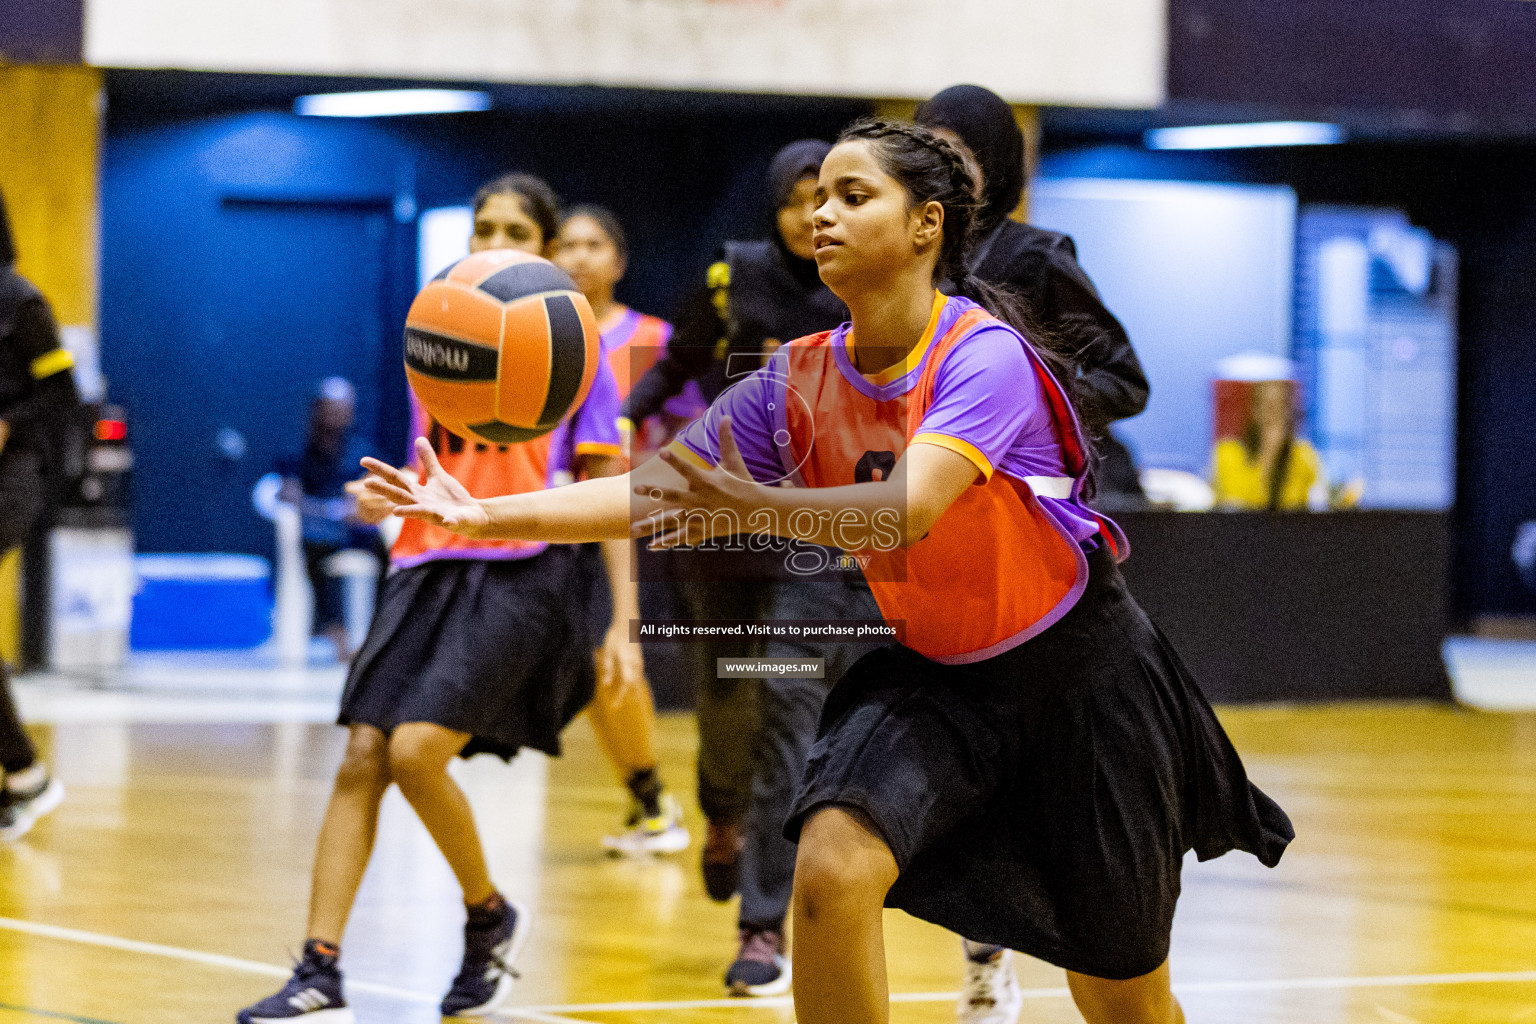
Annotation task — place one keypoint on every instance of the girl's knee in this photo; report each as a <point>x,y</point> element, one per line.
<point>366,761</point>
<point>841,861</point>
<point>1147,999</point>
<point>419,752</point>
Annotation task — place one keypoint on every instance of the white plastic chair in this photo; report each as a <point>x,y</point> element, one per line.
<point>293,604</point>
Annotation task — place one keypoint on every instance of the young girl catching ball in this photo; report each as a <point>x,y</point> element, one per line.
<point>1030,764</point>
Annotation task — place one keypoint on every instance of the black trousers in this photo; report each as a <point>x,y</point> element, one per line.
<point>729,710</point>
<point>21,504</point>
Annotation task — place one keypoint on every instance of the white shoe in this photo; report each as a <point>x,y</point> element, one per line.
<point>19,813</point>
<point>991,993</point>
<point>646,836</point>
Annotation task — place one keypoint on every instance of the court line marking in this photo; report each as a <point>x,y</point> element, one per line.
<point>551,1013</point>
<point>538,1015</point>
<point>50,931</point>
<point>1376,981</point>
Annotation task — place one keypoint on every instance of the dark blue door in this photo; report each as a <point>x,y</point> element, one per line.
<point>292,293</point>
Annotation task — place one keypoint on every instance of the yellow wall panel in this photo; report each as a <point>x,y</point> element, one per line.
<point>1029,123</point>
<point>49,146</point>
<point>49,130</point>
<point>10,610</point>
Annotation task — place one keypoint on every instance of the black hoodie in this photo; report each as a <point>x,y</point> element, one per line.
<point>1041,264</point>
<point>756,293</point>
<point>35,384</point>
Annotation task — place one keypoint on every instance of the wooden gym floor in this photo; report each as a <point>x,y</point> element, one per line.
<point>171,886</point>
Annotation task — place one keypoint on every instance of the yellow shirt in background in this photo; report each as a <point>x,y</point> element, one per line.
<point>1239,483</point>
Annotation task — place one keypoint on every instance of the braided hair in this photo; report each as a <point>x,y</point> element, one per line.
<point>934,170</point>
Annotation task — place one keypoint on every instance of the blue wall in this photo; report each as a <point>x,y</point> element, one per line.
<point>209,230</point>
<point>247,255</point>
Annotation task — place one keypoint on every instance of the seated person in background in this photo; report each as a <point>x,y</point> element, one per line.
<point>1269,467</point>
<point>315,483</point>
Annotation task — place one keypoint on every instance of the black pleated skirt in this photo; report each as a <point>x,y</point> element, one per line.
<point>1044,799</point>
<point>502,650</point>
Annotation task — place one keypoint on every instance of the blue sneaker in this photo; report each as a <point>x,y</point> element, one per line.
<point>313,993</point>
<point>486,977</point>
<point>761,968</point>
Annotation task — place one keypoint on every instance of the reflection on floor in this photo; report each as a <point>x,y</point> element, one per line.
<point>171,886</point>
<point>248,686</point>
<point>214,686</point>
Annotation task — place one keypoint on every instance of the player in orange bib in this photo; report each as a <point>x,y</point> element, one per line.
<point>1029,765</point>
<point>477,647</point>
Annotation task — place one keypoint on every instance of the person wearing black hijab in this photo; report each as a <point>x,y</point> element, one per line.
<point>35,388</point>
<point>754,734</point>
<point>1043,266</point>
<point>757,294</point>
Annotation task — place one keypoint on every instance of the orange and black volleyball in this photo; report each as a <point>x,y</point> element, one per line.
<point>500,346</point>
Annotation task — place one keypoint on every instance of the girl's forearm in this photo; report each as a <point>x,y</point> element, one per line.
<point>882,514</point>
<point>595,509</point>
<point>853,517</point>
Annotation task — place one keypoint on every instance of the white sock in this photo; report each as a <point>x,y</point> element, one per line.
<point>27,778</point>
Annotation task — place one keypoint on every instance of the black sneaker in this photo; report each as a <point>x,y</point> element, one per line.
<point>20,811</point>
<point>486,977</point>
<point>761,969</point>
<point>721,860</point>
<point>313,993</point>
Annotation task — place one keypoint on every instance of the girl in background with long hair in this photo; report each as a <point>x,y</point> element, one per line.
<point>1269,466</point>
<point>476,648</point>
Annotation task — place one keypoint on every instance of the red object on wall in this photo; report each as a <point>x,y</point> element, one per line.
<point>111,430</point>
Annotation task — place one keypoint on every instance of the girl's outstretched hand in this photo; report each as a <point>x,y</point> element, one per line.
<point>439,499</point>
<point>726,487</point>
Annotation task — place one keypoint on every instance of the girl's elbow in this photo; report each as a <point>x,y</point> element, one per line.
<point>915,528</point>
